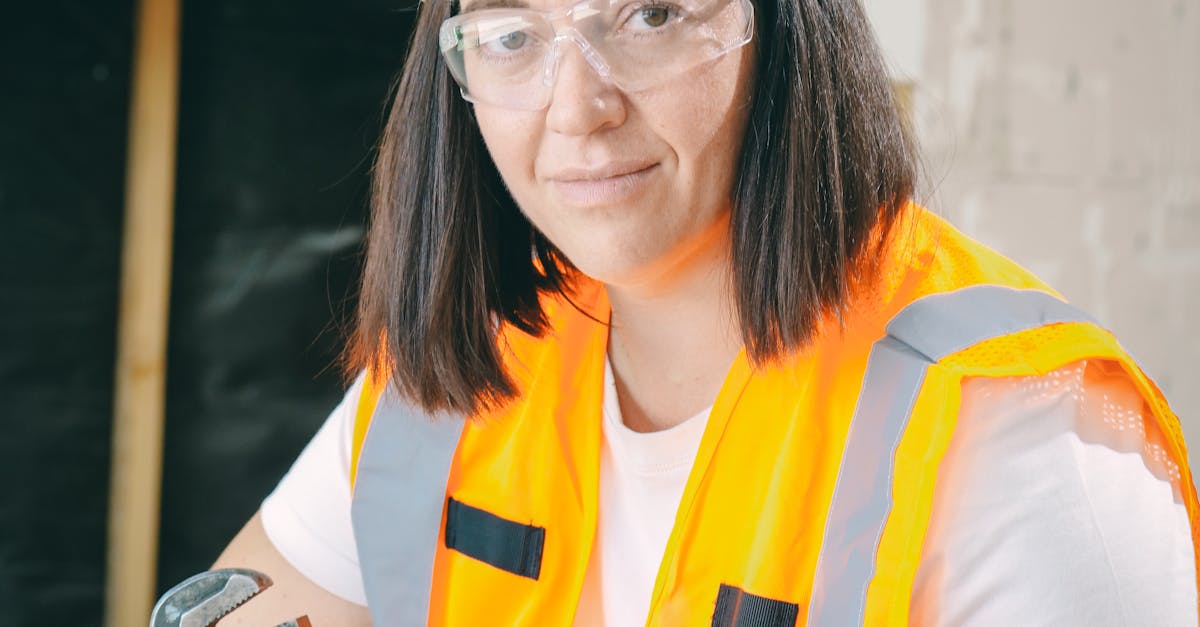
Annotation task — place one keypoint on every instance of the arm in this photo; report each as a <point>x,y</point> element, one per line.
<point>292,595</point>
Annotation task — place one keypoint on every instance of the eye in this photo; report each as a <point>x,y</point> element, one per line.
<point>505,34</point>
<point>655,16</point>
<point>511,41</point>
<point>650,17</point>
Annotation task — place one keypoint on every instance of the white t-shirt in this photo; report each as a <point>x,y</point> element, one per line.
<point>642,477</point>
<point>1112,548</point>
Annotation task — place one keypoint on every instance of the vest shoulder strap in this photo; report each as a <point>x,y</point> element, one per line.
<point>940,325</point>
<point>399,485</point>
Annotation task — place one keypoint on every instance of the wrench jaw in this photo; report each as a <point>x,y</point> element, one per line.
<point>201,600</point>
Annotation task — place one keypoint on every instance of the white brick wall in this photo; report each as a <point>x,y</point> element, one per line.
<point>1066,134</point>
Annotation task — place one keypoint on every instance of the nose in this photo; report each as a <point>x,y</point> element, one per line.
<point>582,101</point>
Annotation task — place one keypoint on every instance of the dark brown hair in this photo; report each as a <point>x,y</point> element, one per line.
<point>825,168</point>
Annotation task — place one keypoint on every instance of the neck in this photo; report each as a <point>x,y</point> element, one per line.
<point>674,337</point>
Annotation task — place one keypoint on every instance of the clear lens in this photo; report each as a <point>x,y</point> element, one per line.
<point>498,56</point>
<point>506,57</point>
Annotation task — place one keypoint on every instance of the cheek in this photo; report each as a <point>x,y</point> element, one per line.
<point>511,139</point>
<point>702,117</point>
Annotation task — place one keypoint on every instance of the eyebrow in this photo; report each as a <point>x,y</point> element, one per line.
<point>479,5</point>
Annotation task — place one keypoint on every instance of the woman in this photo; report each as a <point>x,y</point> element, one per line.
<point>651,332</point>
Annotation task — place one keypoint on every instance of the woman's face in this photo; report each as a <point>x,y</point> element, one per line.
<point>629,186</point>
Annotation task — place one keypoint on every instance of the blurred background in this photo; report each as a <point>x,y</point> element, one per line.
<point>1061,132</point>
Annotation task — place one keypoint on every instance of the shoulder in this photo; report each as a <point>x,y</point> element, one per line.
<point>1057,504</point>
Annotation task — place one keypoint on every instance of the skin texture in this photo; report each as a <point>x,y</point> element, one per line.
<point>661,246</point>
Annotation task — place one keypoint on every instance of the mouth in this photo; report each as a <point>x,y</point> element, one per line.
<point>607,185</point>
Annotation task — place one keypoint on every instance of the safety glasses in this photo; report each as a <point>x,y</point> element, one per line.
<point>508,57</point>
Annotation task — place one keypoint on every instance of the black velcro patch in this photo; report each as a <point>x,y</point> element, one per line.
<point>507,545</point>
<point>738,608</point>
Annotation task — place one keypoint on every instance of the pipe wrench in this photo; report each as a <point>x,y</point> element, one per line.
<point>201,600</point>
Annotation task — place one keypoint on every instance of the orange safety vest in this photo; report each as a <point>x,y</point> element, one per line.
<point>810,495</point>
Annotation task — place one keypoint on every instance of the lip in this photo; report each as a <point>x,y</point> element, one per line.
<point>604,185</point>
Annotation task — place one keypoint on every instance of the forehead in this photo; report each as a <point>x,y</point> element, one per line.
<point>466,6</point>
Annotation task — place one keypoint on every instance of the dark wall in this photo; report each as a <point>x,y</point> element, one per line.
<point>280,106</point>
<point>281,103</point>
<point>64,82</point>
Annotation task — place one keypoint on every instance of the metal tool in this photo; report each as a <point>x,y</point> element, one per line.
<point>201,600</point>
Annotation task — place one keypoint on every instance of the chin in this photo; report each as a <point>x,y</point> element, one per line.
<point>629,272</point>
<point>606,270</point>
<point>608,266</point>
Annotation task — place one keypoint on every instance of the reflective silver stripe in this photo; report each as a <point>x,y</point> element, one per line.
<point>924,332</point>
<point>943,324</point>
<point>399,495</point>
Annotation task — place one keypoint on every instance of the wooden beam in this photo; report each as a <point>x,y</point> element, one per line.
<point>138,403</point>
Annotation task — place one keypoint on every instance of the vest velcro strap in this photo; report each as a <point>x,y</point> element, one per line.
<point>507,545</point>
<point>738,608</point>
